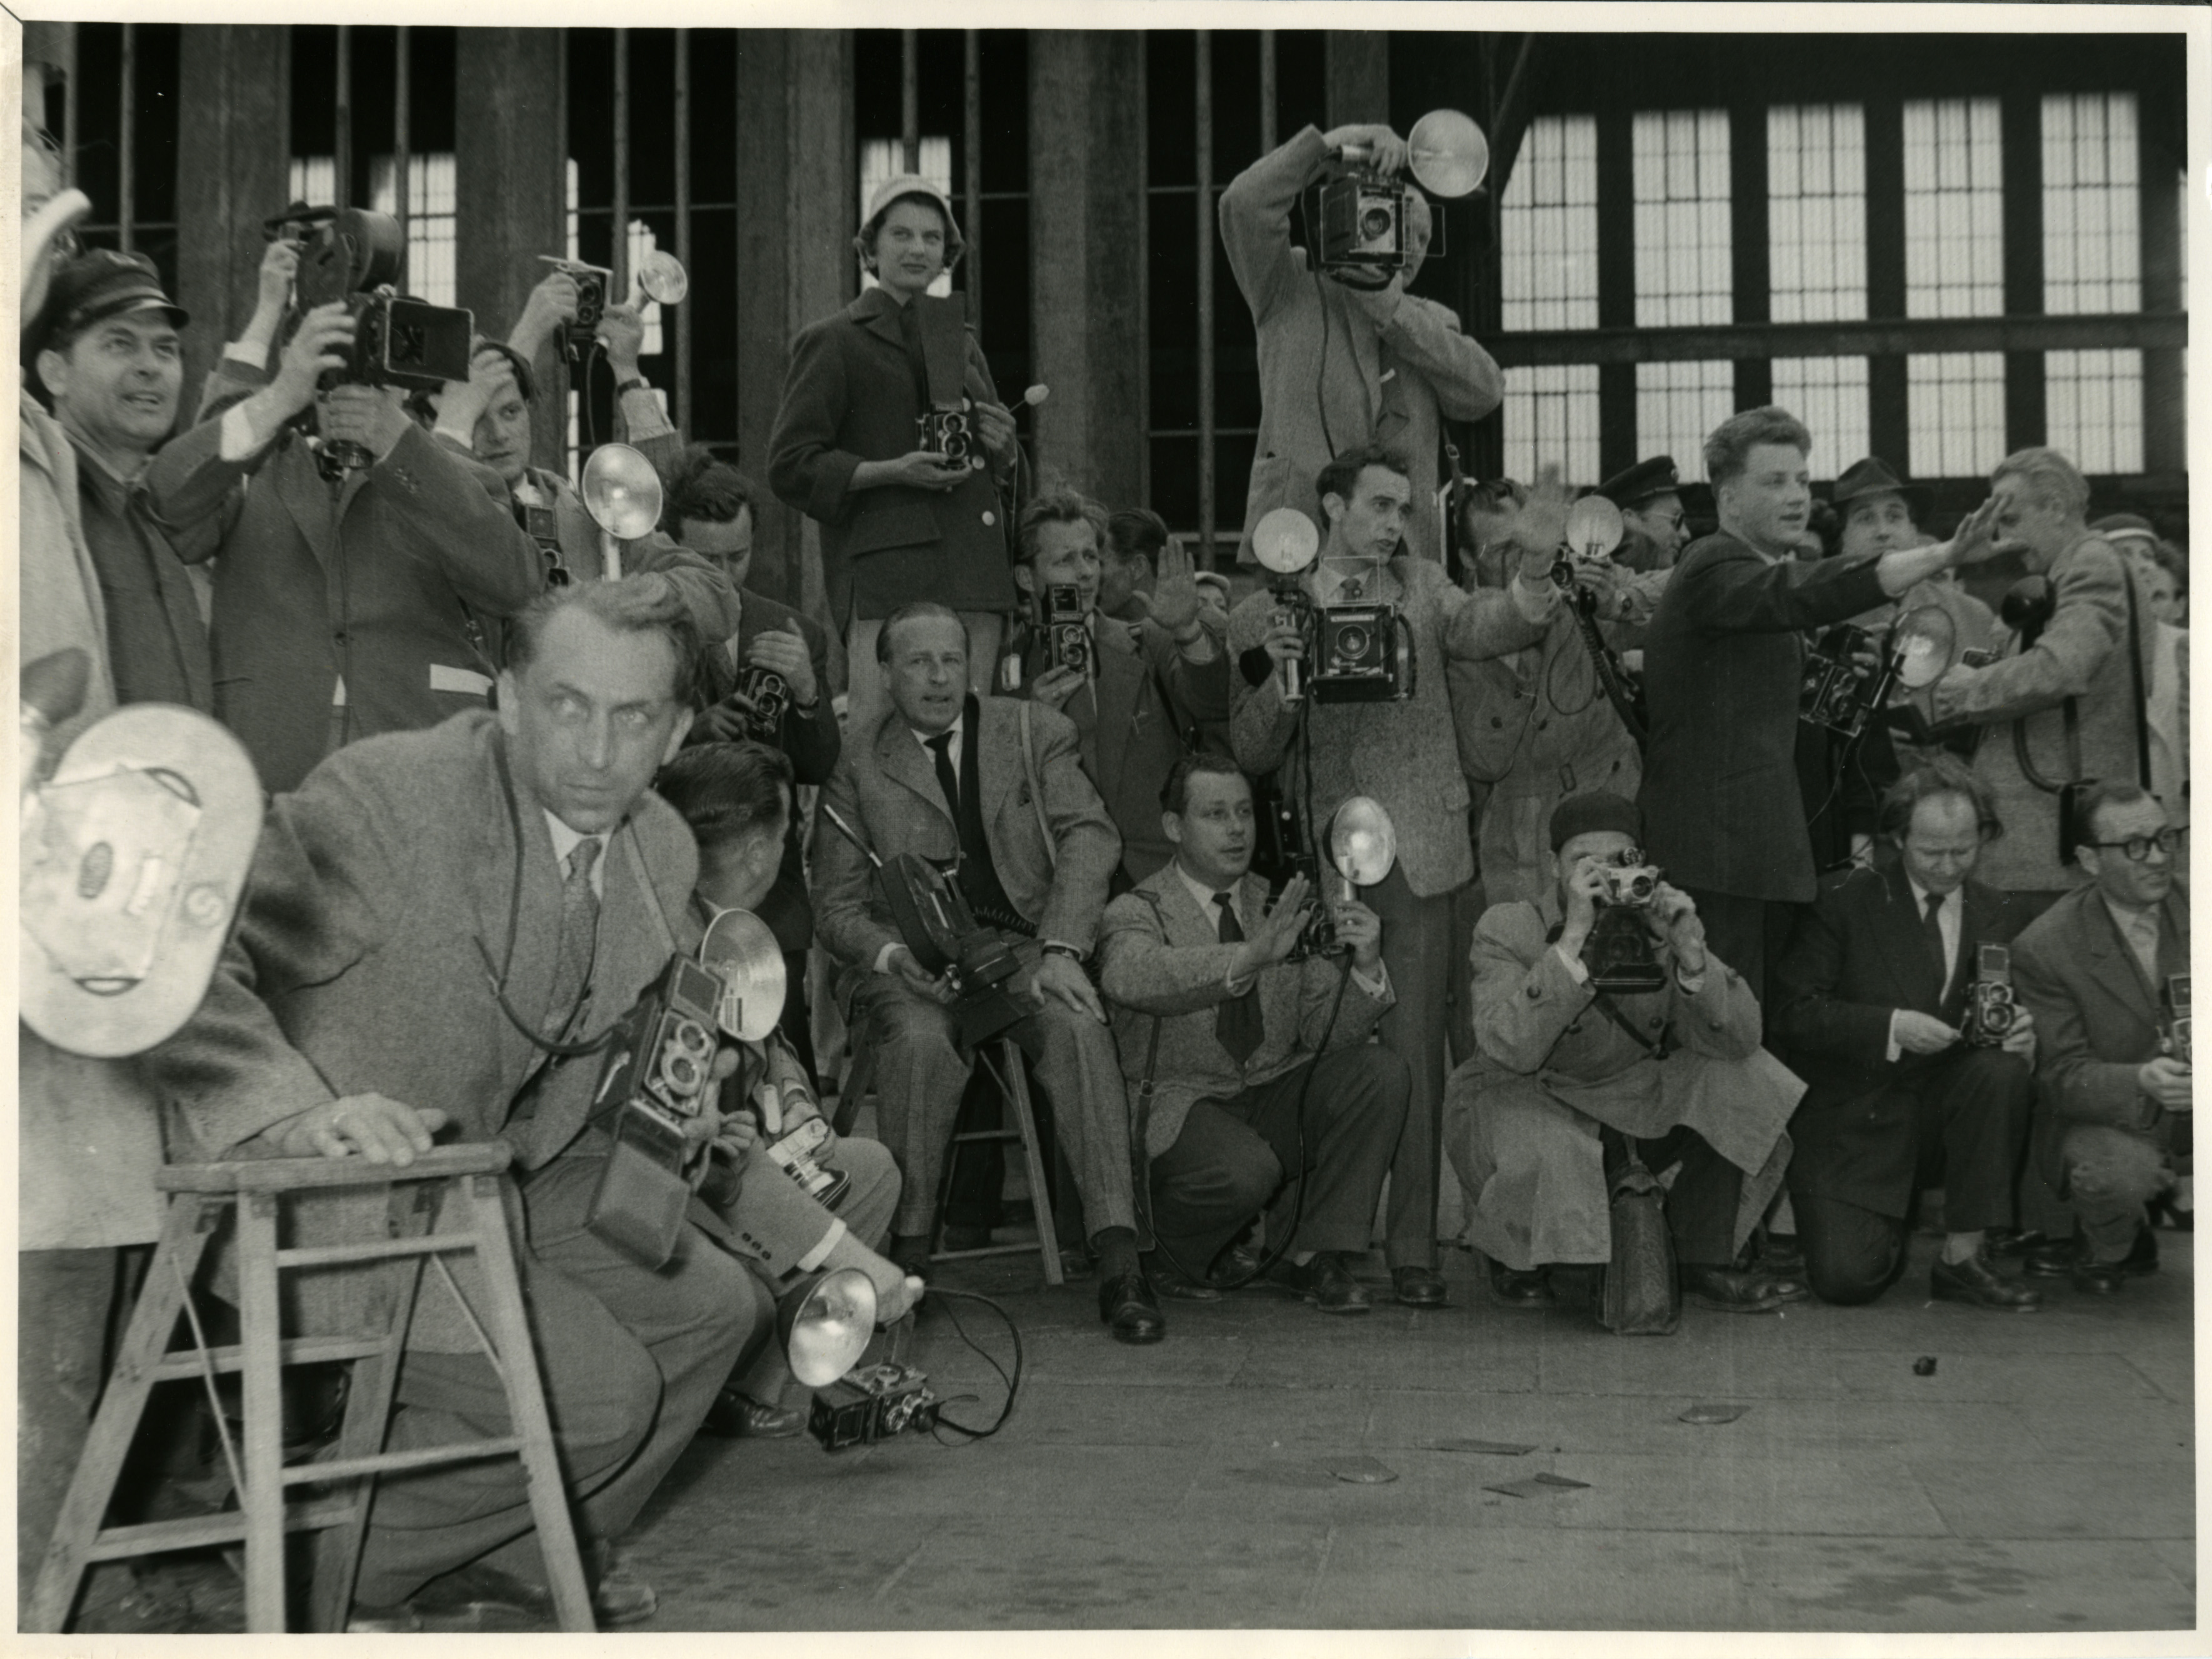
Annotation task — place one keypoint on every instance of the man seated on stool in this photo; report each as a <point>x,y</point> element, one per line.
<point>1560,1070</point>
<point>736,798</point>
<point>1873,996</point>
<point>944,775</point>
<point>2097,969</point>
<point>1197,954</point>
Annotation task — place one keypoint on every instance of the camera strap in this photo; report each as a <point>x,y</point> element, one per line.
<point>1037,788</point>
<point>2136,678</point>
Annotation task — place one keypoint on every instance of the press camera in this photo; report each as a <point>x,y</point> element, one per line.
<point>871,1403</point>
<point>1364,216</point>
<point>1357,650</point>
<point>1067,630</point>
<point>1992,1010</point>
<point>1851,677</point>
<point>938,924</point>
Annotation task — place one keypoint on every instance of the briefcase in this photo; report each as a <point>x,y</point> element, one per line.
<point>1640,1293</point>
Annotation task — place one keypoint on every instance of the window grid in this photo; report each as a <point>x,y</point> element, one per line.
<point>2094,408</point>
<point>1683,267</point>
<point>1954,208</point>
<point>430,222</point>
<point>1816,212</point>
<point>1548,227</point>
<point>1954,412</point>
<point>1677,404</point>
<point>2092,245</point>
<point>1829,395</point>
<point>1552,419</point>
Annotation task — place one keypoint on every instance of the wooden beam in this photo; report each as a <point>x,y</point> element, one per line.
<point>1871,338</point>
<point>2022,124</point>
<point>1358,71</point>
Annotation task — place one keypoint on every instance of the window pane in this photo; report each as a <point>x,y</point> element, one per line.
<point>1683,259</point>
<point>1953,209</point>
<point>1829,395</point>
<point>2094,407</point>
<point>1676,405</point>
<point>429,270</point>
<point>1551,419</point>
<point>1955,410</point>
<point>1816,212</point>
<point>1549,227</point>
<point>2091,253</point>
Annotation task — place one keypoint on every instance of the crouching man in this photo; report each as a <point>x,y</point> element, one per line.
<point>1564,1077</point>
<point>1238,1042</point>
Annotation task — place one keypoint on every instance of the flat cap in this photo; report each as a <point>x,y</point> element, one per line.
<point>95,287</point>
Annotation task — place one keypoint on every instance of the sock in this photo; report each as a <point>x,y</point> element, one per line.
<point>1117,1250</point>
<point>1961,1247</point>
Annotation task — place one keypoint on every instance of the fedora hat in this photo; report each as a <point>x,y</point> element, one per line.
<point>1872,476</point>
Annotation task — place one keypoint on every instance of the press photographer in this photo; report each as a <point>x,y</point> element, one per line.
<point>1348,356</point>
<point>1137,692</point>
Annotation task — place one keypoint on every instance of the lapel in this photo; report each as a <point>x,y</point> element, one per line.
<point>634,938</point>
<point>997,729</point>
<point>307,498</point>
<point>904,762</point>
<point>877,313</point>
<point>1119,688</point>
<point>530,960</point>
<point>2112,962</point>
<point>2173,939</point>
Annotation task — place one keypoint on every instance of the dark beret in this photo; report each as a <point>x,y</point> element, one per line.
<point>1595,810</point>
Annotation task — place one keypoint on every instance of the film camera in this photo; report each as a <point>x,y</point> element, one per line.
<point>1358,650</point>
<point>770,693</point>
<point>1850,677</point>
<point>1992,1011</point>
<point>660,278</point>
<point>936,922</point>
<point>2179,1031</point>
<point>1363,844</point>
<point>1363,216</point>
<point>950,433</point>
<point>871,1403</point>
<point>653,1082</point>
<point>1619,952</point>
<point>1067,631</point>
<point>1628,880</point>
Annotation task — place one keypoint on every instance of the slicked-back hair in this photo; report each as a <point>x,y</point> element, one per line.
<point>1058,508</point>
<point>1942,776</point>
<point>634,604</point>
<point>728,792</point>
<point>1728,449</point>
<point>1341,476</point>
<point>2052,479</point>
<point>1136,531</point>
<point>1175,793</point>
<point>913,612</point>
<point>2101,798</point>
<point>702,487</point>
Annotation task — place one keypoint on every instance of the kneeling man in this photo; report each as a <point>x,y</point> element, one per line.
<point>1237,1043</point>
<point>1565,1076</point>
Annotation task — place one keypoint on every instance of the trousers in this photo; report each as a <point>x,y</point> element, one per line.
<point>1417,950</point>
<point>63,1301</point>
<point>2111,1173</point>
<point>1749,934</point>
<point>1702,1204</point>
<point>1232,1156</point>
<point>631,1358</point>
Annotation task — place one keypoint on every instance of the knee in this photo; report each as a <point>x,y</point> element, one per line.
<point>2111,1166</point>
<point>2005,1080</point>
<point>1848,1279</point>
<point>1242,1181</point>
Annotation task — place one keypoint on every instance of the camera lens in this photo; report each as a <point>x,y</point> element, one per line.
<point>1352,643</point>
<point>682,1073</point>
<point>692,1037</point>
<point>1375,224</point>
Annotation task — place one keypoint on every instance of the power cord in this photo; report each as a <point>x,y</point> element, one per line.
<point>1013,1383</point>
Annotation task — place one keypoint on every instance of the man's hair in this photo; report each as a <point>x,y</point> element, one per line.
<point>1058,508</point>
<point>1136,532</point>
<point>702,487</point>
<point>914,612</point>
<point>421,405</point>
<point>726,791</point>
<point>1728,451</point>
<point>643,603</point>
<point>2103,797</point>
<point>2052,479</point>
<point>1942,776</point>
<point>1341,475</point>
<point>2174,562</point>
<point>1175,793</point>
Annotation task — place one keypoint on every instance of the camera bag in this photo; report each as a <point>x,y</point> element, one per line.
<point>1639,1291</point>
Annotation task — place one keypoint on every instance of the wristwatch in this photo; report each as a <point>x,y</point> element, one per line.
<point>635,382</point>
<point>1055,948</point>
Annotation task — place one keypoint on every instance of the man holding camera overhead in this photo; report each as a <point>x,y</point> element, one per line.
<point>1348,356</point>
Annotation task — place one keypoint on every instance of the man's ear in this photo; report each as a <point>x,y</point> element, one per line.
<point>1332,507</point>
<point>53,369</point>
<point>1172,827</point>
<point>1025,579</point>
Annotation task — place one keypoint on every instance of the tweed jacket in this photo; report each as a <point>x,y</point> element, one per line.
<point>851,396</point>
<point>1402,755</point>
<point>1394,384</point>
<point>1161,960</point>
<point>1859,954</point>
<point>1722,808</point>
<point>377,892</point>
<point>2082,654</point>
<point>157,640</point>
<point>885,788</point>
<point>1134,720</point>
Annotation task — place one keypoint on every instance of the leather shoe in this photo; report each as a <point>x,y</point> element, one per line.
<point>1171,1281</point>
<point>910,1252</point>
<point>1325,1281</point>
<point>2065,1257</point>
<point>1739,1290</point>
<point>1521,1287</point>
<point>1126,1304</point>
<point>1976,1282</point>
<point>1234,1266</point>
<point>736,1416</point>
<point>1418,1286</point>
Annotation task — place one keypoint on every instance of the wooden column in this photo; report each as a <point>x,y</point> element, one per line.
<point>1888,397</point>
<point>1087,201</point>
<point>510,194</point>
<point>233,148</point>
<point>1750,264</point>
<point>1616,288</point>
<point>2022,119</point>
<point>1358,72</point>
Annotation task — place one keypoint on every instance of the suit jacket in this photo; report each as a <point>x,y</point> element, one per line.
<point>2097,1019</point>
<point>1161,960</point>
<point>2082,654</point>
<point>381,581</point>
<point>1860,953</point>
<point>1722,808</point>
<point>157,641</point>
<point>355,965</point>
<point>1394,386</point>
<point>885,788</point>
<point>850,397</point>
<point>1134,720</point>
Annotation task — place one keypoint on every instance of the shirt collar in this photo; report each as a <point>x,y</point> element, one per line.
<point>957,728</point>
<point>2125,916</point>
<point>1203,894</point>
<point>1920,895</point>
<point>565,841</point>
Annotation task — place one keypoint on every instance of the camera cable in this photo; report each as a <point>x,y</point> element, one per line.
<point>1013,1383</point>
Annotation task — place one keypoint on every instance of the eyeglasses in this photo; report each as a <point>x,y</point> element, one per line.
<point>2137,847</point>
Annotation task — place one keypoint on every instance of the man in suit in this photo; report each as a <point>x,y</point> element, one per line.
<point>354,1015</point>
<point>1873,1000</point>
<point>1723,665</point>
<point>1565,1081</point>
<point>2064,701</point>
<point>991,787</point>
<point>1345,359</point>
<point>2097,969</point>
<point>1241,1044</point>
<point>1146,686</point>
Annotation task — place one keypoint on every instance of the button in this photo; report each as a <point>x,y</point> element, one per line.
<point>1657,1023</point>
<point>339,637</point>
<point>1495,722</point>
<point>990,518</point>
<point>1534,993</point>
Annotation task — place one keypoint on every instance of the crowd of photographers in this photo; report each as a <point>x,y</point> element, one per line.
<point>1699,892</point>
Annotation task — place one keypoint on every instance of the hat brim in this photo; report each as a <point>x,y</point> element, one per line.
<point>1919,499</point>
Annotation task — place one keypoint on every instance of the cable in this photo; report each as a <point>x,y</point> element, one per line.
<point>1321,369</point>
<point>1013,1383</point>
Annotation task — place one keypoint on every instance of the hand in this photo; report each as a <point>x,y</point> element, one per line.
<point>1055,686</point>
<point>1863,849</point>
<point>280,263</point>
<point>1174,592</point>
<point>731,720</point>
<point>1361,929</point>
<point>923,469</point>
<point>1386,151</point>
<point>903,964</point>
<point>623,329</point>
<point>1062,978</point>
<point>1603,579</point>
<point>994,425</point>
<point>2166,1079</point>
<point>784,650</point>
<point>2020,1039</point>
<point>737,1133</point>
<point>1976,538</point>
<point>551,303</point>
<point>322,343</point>
<point>463,402</point>
<point>1921,1034</point>
<point>1285,641</point>
<point>1584,885</point>
<point>1277,935</point>
<point>1540,528</point>
<point>1672,917</point>
<point>381,1130</point>
<point>374,417</point>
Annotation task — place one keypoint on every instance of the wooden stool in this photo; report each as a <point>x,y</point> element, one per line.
<point>467,1201</point>
<point>1002,1058</point>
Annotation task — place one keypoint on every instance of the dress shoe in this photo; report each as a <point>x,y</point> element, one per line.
<point>1976,1282</point>
<point>1127,1304</point>
<point>1234,1266</point>
<point>736,1416</point>
<point>910,1251</point>
<point>2060,1258</point>
<point>1171,1281</point>
<point>1418,1286</point>
<point>1521,1287</point>
<point>1325,1281</point>
<point>1739,1290</point>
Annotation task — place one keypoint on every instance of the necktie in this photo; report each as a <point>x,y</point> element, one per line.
<point>1236,1022</point>
<point>941,747</point>
<point>1931,924</point>
<point>2142,939</point>
<point>579,932</point>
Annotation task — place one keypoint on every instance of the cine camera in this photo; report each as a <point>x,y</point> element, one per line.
<point>1358,649</point>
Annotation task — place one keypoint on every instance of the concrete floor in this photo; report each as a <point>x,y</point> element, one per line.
<point>2041,1478</point>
